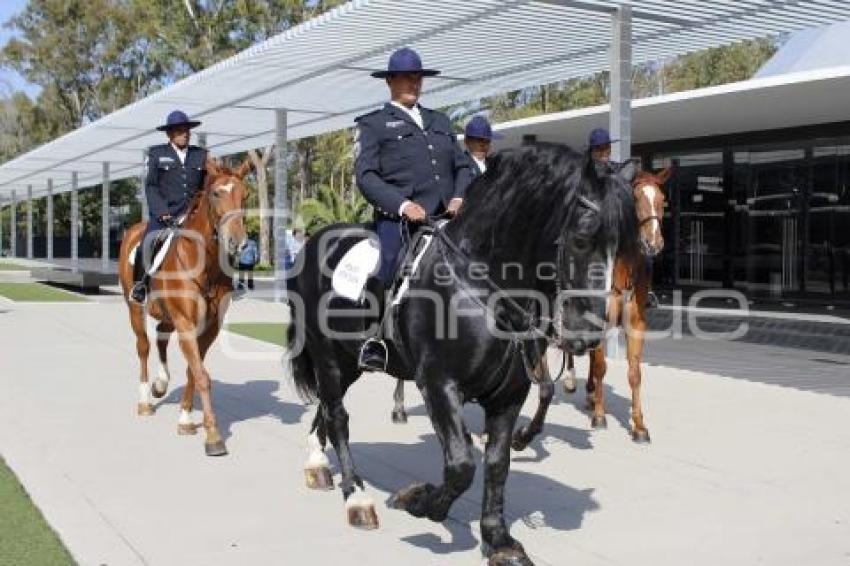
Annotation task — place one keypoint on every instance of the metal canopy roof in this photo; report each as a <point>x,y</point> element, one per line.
<point>785,101</point>
<point>318,70</point>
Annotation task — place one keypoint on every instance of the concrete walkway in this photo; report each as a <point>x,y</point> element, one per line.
<point>739,472</point>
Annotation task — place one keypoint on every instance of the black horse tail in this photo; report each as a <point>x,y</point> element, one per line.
<point>303,372</point>
<point>300,362</point>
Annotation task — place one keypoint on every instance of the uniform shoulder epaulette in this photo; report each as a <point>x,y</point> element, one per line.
<point>157,148</point>
<point>372,113</point>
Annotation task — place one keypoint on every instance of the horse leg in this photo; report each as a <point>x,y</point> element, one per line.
<point>359,507</point>
<point>317,470</point>
<point>444,405</point>
<point>570,381</point>
<point>185,424</point>
<point>189,344</point>
<point>399,415</point>
<point>598,368</point>
<point>523,437</point>
<point>503,549</point>
<point>160,386</point>
<point>143,347</point>
<point>634,353</point>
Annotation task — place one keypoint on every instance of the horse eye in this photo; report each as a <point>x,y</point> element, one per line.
<point>580,244</point>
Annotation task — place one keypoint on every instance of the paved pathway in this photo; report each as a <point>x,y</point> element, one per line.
<point>739,472</point>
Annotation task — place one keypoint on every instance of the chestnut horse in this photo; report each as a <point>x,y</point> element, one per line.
<point>190,293</point>
<point>626,307</point>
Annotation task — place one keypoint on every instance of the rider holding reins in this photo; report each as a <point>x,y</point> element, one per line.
<point>409,166</point>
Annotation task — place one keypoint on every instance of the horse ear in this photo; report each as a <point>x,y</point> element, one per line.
<point>628,171</point>
<point>246,167</point>
<point>665,175</point>
<point>213,167</point>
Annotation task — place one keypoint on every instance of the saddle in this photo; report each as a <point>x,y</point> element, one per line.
<point>159,249</point>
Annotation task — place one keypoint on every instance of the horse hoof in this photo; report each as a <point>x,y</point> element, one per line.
<point>518,443</point>
<point>641,436</point>
<point>159,388</point>
<point>187,429</point>
<point>570,386</point>
<point>361,514</point>
<point>509,557</point>
<point>144,409</point>
<point>599,422</point>
<point>399,417</point>
<point>215,448</point>
<point>319,477</point>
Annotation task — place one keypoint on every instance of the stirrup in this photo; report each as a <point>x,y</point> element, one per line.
<point>373,355</point>
<point>139,289</point>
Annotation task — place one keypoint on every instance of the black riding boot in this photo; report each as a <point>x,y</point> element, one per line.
<point>139,292</point>
<point>373,352</point>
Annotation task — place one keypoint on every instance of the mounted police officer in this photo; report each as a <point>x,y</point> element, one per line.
<point>477,138</point>
<point>409,166</point>
<point>175,172</point>
<point>599,145</point>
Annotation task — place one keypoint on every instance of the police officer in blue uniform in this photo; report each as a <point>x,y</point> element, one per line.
<point>175,172</point>
<point>477,138</point>
<point>409,166</point>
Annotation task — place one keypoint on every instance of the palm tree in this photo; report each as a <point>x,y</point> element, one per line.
<point>329,207</point>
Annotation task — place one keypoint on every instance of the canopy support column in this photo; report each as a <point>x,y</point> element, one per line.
<point>104,222</point>
<point>75,221</point>
<point>49,227</point>
<point>29,222</point>
<point>143,199</point>
<point>281,213</point>
<point>13,226</point>
<point>621,84</point>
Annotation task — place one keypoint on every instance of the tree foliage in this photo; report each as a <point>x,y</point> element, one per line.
<point>91,57</point>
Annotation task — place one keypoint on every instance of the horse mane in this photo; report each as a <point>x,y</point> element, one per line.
<point>526,196</point>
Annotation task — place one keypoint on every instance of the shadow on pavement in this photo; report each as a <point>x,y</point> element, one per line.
<point>536,500</point>
<point>252,399</point>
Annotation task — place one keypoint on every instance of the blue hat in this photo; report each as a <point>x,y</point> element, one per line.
<point>177,118</point>
<point>479,127</point>
<point>599,137</point>
<point>405,60</point>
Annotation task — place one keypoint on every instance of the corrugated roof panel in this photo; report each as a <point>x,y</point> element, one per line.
<point>319,70</point>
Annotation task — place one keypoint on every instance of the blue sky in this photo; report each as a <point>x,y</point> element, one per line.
<point>9,8</point>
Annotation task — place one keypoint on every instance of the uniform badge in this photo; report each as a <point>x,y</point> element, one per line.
<point>395,124</point>
<point>166,160</point>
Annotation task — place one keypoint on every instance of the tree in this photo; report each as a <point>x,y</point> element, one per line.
<point>330,206</point>
<point>261,161</point>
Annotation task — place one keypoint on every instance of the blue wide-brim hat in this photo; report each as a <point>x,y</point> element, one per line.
<point>405,60</point>
<point>479,127</point>
<point>177,118</point>
<point>599,137</point>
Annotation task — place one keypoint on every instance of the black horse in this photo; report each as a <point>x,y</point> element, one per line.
<point>527,259</point>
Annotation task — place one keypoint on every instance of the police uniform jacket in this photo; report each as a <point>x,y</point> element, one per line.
<point>475,171</point>
<point>169,184</point>
<point>396,160</point>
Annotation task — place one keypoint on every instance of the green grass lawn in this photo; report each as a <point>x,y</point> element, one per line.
<point>26,537</point>
<point>271,332</point>
<point>8,266</point>
<point>37,292</point>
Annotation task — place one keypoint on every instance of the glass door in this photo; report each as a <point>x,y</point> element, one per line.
<point>776,182</point>
<point>828,259</point>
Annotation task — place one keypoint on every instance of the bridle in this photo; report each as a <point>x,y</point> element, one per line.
<point>557,332</point>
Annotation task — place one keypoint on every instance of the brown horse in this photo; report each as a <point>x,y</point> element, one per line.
<point>190,293</point>
<point>626,307</point>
